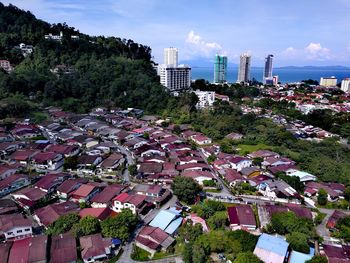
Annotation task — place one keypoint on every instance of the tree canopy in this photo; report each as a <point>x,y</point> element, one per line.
<point>186,189</point>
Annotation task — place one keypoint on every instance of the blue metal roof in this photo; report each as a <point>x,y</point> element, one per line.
<point>171,229</point>
<point>163,219</point>
<point>274,244</point>
<point>297,257</point>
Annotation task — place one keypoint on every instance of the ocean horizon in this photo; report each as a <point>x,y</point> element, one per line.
<point>286,75</point>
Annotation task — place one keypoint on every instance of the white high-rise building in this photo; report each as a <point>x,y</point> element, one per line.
<point>268,70</point>
<point>328,82</point>
<point>171,56</point>
<point>345,85</point>
<point>244,68</point>
<point>175,78</point>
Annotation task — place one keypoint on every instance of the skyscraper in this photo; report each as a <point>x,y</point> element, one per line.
<point>244,68</point>
<point>220,68</point>
<point>170,56</point>
<point>268,69</point>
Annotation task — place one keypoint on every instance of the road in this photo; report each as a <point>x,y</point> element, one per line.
<point>129,161</point>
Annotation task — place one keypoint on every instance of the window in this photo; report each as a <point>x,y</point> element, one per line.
<point>19,231</point>
<point>9,233</point>
<point>27,229</point>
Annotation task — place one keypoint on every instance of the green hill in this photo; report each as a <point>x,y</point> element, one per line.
<point>96,70</point>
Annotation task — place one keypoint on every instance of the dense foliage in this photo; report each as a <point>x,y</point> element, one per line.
<point>120,226</point>
<point>245,257</point>
<point>343,227</point>
<point>186,189</point>
<point>63,224</point>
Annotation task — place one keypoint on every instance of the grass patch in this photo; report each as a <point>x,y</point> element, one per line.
<point>245,148</point>
<point>139,254</point>
<point>213,190</point>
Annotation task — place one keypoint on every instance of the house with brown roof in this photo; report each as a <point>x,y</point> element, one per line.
<point>110,164</point>
<point>5,251</point>
<point>242,217</point>
<point>145,169</point>
<point>50,182</point>
<point>87,163</point>
<point>153,239</point>
<point>337,253</point>
<point>50,213</point>
<point>63,249</point>
<point>201,139</point>
<point>65,150</point>
<point>15,226</point>
<point>29,198</point>
<point>104,198</point>
<point>99,213</point>
<point>7,206</point>
<point>95,248</point>
<point>334,218</point>
<point>23,156</point>
<point>65,190</point>
<point>38,249</point>
<point>84,193</point>
<point>7,170</point>
<point>199,176</point>
<point>13,183</point>
<point>47,161</point>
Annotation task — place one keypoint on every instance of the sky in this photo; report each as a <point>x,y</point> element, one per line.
<point>296,32</point>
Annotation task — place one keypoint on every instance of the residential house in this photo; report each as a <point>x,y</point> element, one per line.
<point>271,249</point>
<point>263,154</point>
<point>100,213</point>
<point>277,189</point>
<point>153,239</point>
<point>38,249</point>
<point>337,253</point>
<point>15,226</point>
<point>104,198</point>
<point>198,220</point>
<point>29,198</point>
<point>63,249</point>
<point>168,220</point>
<point>136,203</point>
<point>84,193</point>
<point>5,251</point>
<point>110,164</point>
<point>199,176</point>
<point>7,170</point>
<point>250,172</point>
<point>334,218</point>
<point>50,213</point>
<point>232,176</point>
<point>65,190</point>
<point>7,206</point>
<point>50,182</point>
<point>333,193</point>
<point>13,183</point>
<point>64,150</point>
<point>95,248</point>
<point>47,161</point>
<point>241,217</point>
<point>87,163</point>
<point>22,156</point>
<point>303,176</point>
<point>201,139</point>
<point>238,162</point>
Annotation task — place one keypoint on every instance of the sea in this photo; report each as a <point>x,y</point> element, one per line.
<point>285,75</point>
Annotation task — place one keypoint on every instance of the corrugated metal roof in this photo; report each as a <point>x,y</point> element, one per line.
<point>163,219</point>
<point>297,257</point>
<point>274,244</point>
<point>173,226</point>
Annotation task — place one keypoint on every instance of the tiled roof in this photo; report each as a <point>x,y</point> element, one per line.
<point>63,249</point>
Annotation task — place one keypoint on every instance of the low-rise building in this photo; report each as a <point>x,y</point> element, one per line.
<point>95,248</point>
<point>241,217</point>
<point>63,249</point>
<point>15,226</point>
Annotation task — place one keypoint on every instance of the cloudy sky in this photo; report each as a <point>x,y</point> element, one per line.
<point>297,32</point>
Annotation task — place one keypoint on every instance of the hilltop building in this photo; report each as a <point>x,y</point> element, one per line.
<point>220,69</point>
<point>328,81</point>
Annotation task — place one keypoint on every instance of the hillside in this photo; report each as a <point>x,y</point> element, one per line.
<point>92,70</point>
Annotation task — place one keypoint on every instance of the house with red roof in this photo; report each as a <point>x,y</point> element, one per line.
<point>65,190</point>
<point>104,198</point>
<point>47,161</point>
<point>153,239</point>
<point>95,248</point>
<point>110,164</point>
<point>15,226</point>
<point>63,249</point>
<point>29,198</point>
<point>241,217</point>
<point>84,193</point>
<point>199,176</point>
<point>19,251</point>
<point>239,162</point>
<point>7,170</point>
<point>334,218</point>
<point>337,253</point>
<point>50,182</point>
<point>232,176</point>
<point>198,220</point>
<point>135,202</point>
<point>38,249</point>
<point>50,213</point>
<point>5,251</point>
<point>64,150</point>
<point>23,156</point>
<point>99,213</point>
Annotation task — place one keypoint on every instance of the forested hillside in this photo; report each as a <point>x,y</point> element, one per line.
<point>103,71</point>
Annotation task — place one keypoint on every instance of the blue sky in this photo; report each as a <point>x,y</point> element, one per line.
<point>297,32</point>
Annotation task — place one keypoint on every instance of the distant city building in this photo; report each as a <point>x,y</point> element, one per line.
<point>205,99</point>
<point>175,78</point>
<point>275,80</point>
<point>220,69</point>
<point>268,70</point>
<point>171,56</point>
<point>328,81</point>
<point>244,68</point>
<point>5,65</point>
<point>345,85</point>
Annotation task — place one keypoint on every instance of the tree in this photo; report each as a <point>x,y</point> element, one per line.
<point>317,259</point>
<point>120,226</point>
<point>87,225</point>
<point>70,162</point>
<point>189,232</point>
<point>347,193</point>
<point>132,169</point>
<point>245,257</point>
<point>63,224</point>
<point>322,197</point>
<point>218,220</point>
<point>257,161</point>
<point>298,242</point>
<point>198,254</point>
<point>211,158</point>
<point>187,253</point>
<point>186,189</point>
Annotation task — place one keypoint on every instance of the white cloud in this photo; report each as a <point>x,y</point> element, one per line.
<point>201,47</point>
<point>316,51</point>
<point>313,51</point>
